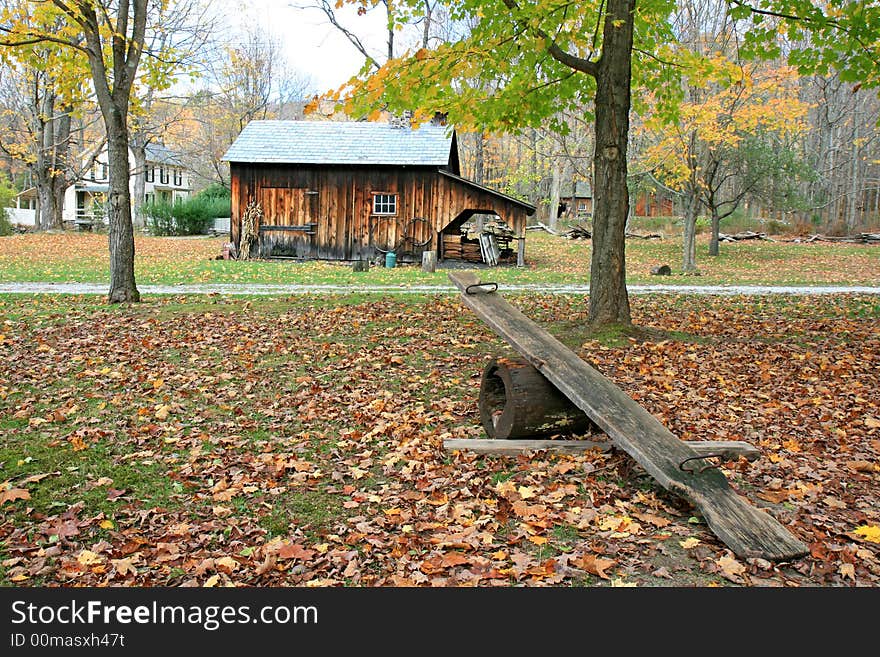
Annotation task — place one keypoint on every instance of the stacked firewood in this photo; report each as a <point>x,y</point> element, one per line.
<point>457,247</point>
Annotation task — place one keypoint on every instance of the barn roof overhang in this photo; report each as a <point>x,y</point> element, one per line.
<point>529,209</point>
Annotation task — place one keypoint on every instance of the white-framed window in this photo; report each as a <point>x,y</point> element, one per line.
<point>178,177</point>
<point>163,175</point>
<point>384,203</point>
<point>99,171</point>
<point>151,174</point>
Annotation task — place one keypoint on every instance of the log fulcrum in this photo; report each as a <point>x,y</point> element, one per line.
<point>518,402</point>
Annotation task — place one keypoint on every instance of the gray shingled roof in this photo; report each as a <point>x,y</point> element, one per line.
<point>334,142</point>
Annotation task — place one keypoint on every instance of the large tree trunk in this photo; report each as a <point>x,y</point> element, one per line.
<point>121,231</point>
<point>43,215</point>
<point>609,301</point>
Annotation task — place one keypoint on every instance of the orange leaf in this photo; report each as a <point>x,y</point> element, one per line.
<point>295,551</point>
<point>431,566</point>
<point>775,496</point>
<point>14,494</point>
<point>453,559</point>
<point>594,565</point>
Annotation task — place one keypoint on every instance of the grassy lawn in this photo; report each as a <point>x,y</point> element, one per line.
<point>298,441</point>
<point>78,257</point>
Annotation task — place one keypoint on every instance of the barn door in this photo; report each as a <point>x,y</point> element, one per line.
<point>290,221</point>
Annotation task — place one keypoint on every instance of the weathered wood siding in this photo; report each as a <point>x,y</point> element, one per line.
<point>326,212</point>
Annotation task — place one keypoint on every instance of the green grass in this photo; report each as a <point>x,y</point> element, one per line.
<point>549,259</point>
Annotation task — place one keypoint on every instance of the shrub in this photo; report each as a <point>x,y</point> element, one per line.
<point>217,201</point>
<point>158,218</point>
<point>7,198</point>
<point>215,190</point>
<point>5,224</point>
<point>192,216</point>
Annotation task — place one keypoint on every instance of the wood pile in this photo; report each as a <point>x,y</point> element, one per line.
<point>647,236</point>
<point>577,233</point>
<point>491,246</point>
<point>457,247</point>
<point>745,235</point>
<point>861,238</point>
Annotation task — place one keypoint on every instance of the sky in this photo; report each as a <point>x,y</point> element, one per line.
<point>313,46</point>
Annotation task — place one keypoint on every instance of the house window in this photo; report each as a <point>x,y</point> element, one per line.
<point>149,197</point>
<point>178,177</point>
<point>151,174</point>
<point>163,175</point>
<point>384,203</point>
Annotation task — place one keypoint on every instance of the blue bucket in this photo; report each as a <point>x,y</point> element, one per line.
<point>390,260</point>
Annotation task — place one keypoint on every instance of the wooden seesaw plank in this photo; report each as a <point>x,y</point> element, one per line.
<point>748,531</point>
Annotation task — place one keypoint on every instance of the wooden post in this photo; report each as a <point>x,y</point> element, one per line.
<point>518,402</point>
<point>429,261</point>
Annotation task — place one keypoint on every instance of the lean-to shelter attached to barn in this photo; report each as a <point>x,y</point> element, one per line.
<point>349,191</point>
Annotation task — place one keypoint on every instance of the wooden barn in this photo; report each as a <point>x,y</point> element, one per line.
<point>355,190</point>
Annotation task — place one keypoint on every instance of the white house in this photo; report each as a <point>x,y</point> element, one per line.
<point>166,180</point>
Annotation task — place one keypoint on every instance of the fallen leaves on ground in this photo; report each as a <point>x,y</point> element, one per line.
<point>188,442</point>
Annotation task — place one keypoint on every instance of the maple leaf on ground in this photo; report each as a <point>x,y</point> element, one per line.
<point>869,533</point>
<point>593,564</point>
<point>13,494</point>
<point>295,551</point>
<point>226,564</point>
<point>88,558</point>
<point>776,497</point>
<point>37,477</point>
<point>451,559</point>
<point>731,569</point>
<point>124,566</point>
